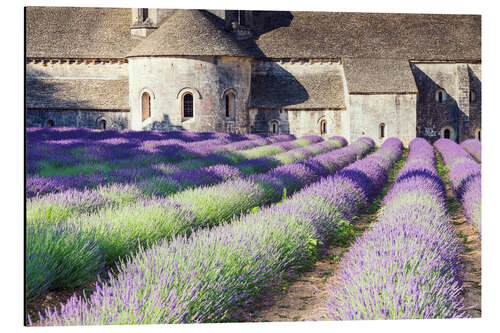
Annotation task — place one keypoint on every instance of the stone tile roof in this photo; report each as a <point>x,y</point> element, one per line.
<point>77,94</point>
<point>379,76</point>
<point>300,86</point>
<point>193,33</point>
<point>71,32</point>
<point>105,32</point>
<point>375,35</point>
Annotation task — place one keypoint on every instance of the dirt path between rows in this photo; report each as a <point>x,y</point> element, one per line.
<point>53,299</point>
<point>304,298</point>
<point>471,255</point>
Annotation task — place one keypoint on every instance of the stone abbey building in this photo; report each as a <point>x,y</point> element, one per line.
<point>324,73</point>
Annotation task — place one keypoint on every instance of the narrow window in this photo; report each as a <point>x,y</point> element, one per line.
<point>229,105</point>
<point>447,133</point>
<point>187,106</point>
<point>242,21</point>
<point>50,123</point>
<point>440,96</point>
<point>145,14</point>
<point>479,135</point>
<point>472,96</point>
<point>382,131</point>
<point>146,106</point>
<point>102,124</point>
<point>274,127</point>
<point>323,127</point>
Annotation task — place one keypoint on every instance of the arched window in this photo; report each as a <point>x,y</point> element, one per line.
<point>101,124</point>
<point>322,126</point>
<point>472,96</point>
<point>273,127</point>
<point>441,96</point>
<point>448,132</point>
<point>229,105</point>
<point>478,134</point>
<point>146,106</point>
<point>187,105</point>
<point>382,130</point>
<point>50,123</point>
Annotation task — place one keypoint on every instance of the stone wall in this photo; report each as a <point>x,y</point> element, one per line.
<point>166,79</point>
<point>76,118</point>
<point>474,71</point>
<point>395,111</point>
<point>300,122</point>
<point>77,70</point>
<point>87,107</point>
<point>457,113</point>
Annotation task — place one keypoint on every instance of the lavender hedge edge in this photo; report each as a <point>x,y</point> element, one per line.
<point>465,176</point>
<point>203,277</point>
<point>408,265</point>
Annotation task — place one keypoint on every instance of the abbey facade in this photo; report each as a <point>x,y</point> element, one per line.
<point>348,74</point>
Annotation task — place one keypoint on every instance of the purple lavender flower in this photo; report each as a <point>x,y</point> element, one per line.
<point>473,147</point>
<point>201,278</point>
<point>408,266</point>
<point>465,176</point>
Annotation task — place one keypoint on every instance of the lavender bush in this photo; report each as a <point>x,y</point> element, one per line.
<point>120,229</point>
<point>407,266</point>
<point>138,183</point>
<point>58,256</point>
<point>51,154</point>
<point>465,176</point>
<point>473,147</point>
<point>123,172</point>
<point>202,278</point>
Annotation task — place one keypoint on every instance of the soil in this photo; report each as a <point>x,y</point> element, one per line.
<point>53,299</point>
<point>471,255</point>
<point>303,299</point>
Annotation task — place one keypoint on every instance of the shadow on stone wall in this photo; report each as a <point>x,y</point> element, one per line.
<point>41,93</point>
<point>51,101</point>
<point>476,105</point>
<point>164,125</point>
<point>276,88</point>
<point>431,115</point>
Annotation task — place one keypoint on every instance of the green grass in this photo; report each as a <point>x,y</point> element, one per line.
<point>49,169</point>
<point>442,169</point>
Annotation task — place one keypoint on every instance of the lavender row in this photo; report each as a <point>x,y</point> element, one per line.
<point>36,185</point>
<point>473,147</point>
<point>168,184</point>
<point>222,202</point>
<point>203,277</point>
<point>62,205</point>
<point>115,232</point>
<point>249,151</point>
<point>465,176</point>
<point>37,134</point>
<point>408,265</point>
<point>55,156</point>
<point>43,142</point>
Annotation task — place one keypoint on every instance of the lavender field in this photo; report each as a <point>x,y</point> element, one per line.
<point>180,227</point>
